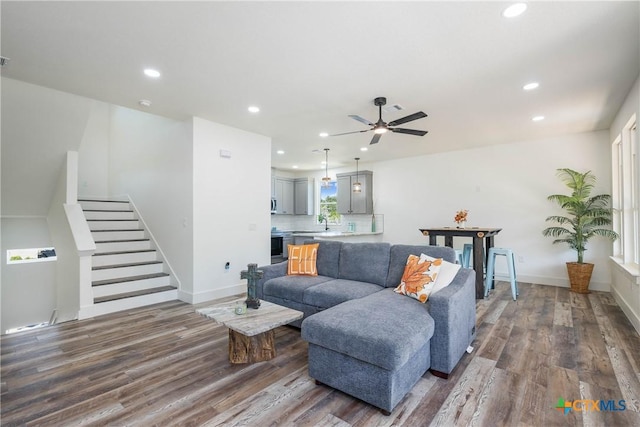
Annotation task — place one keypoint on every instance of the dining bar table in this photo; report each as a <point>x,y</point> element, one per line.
<point>482,242</point>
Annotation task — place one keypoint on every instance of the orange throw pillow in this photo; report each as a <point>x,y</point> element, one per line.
<point>302,260</point>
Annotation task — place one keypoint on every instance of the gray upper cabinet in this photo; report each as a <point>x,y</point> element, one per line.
<point>284,195</point>
<point>304,196</point>
<point>273,186</point>
<point>355,203</point>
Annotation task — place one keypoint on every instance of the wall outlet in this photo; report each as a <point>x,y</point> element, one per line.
<point>520,259</point>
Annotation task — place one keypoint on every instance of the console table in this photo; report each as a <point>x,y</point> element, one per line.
<point>482,242</point>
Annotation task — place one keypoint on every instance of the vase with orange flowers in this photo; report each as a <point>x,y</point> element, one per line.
<point>461,218</point>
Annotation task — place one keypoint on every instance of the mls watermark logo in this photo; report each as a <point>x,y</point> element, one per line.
<point>585,405</point>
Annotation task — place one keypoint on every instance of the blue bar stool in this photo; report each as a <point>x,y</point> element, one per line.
<point>491,262</point>
<point>467,250</point>
<point>459,257</point>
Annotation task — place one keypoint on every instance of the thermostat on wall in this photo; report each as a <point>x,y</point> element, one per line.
<point>225,154</point>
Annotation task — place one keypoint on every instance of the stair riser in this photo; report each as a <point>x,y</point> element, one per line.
<point>114,273</point>
<point>114,225</point>
<point>122,246</point>
<point>100,236</point>
<point>105,206</point>
<point>109,215</point>
<point>126,304</point>
<point>101,260</point>
<point>124,287</point>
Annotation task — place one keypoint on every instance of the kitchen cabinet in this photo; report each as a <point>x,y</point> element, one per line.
<point>355,203</point>
<point>273,187</point>
<point>284,195</point>
<point>303,196</point>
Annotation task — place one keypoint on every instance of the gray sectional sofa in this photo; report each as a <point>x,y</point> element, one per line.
<point>365,339</point>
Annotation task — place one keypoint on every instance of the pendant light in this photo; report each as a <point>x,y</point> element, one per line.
<point>326,179</point>
<point>357,187</point>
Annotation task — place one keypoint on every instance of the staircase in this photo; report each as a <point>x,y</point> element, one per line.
<point>127,271</point>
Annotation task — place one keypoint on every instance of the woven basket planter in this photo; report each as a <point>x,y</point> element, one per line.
<point>579,276</point>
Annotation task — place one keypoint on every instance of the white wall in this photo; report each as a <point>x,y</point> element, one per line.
<point>68,264</point>
<point>150,159</point>
<point>39,127</point>
<point>93,168</point>
<point>502,186</point>
<point>28,293</point>
<point>231,222</point>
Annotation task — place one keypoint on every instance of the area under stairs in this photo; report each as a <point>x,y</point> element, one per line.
<point>126,270</point>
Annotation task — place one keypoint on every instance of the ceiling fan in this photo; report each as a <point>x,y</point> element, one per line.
<point>381,127</point>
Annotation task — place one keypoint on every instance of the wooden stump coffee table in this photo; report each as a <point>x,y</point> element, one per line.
<point>251,335</point>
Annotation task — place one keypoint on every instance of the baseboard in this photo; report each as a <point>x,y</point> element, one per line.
<point>561,282</point>
<point>213,294</point>
<point>626,308</point>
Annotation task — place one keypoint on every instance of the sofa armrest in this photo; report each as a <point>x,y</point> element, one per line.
<point>454,311</point>
<point>270,272</point>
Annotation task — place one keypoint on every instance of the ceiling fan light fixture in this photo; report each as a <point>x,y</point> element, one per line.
<point>380,130</point>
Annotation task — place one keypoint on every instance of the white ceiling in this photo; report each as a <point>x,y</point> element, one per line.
<point>308,65</point>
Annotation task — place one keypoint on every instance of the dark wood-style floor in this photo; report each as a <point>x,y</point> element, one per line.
<point>166,365</point>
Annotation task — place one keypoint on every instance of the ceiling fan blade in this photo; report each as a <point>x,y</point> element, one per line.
<point>375,138</point>
<point>347,133</point>
<point>409,118</point>
<point>360,119</point>
<point>409,131</point>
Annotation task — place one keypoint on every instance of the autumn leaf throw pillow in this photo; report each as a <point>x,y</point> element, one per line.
<point>419,277</point>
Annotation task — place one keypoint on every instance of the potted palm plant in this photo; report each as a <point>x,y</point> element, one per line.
<point>586,217</point>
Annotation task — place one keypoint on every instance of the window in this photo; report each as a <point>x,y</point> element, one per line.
<point>18,256</point>
<point>329,203</point>
<point>626,200</point>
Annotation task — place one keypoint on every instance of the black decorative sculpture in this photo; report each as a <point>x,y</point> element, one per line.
<point>252,274</point>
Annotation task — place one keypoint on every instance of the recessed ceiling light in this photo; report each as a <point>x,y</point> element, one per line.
<point>280,151</point>
<point>150,72</point>
<point>145,103</point>
<point>323,162</point>
<point>537,118</point>
<point>514,10</point>
<point>323,134</point>
<point>364,149</point>
<point>295,166</point>
<point>253,109</point>
<point>531,86</point>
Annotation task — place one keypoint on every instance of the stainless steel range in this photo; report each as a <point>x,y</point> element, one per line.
<point>279,242</point>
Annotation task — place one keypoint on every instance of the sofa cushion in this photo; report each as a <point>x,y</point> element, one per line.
<point>328,257</point>
<point>302,260</point>
<point>291,287</point>
<point>419,278</point>
<point>366,262</point>
<point>337,291</point>
<point>400,253</point>
<point>384,329</point>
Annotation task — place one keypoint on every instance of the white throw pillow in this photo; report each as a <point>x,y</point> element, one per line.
<point>446,275</point>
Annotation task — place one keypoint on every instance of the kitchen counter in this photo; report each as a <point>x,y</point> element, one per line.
<point>332,233</point>
<point>357,236</point>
